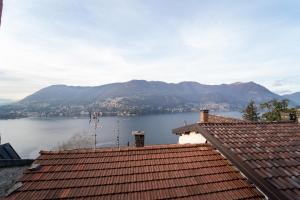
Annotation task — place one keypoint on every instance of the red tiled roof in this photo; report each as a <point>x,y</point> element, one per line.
<point>154,172</point>
<point>266,152</point>
<point>211,119</point>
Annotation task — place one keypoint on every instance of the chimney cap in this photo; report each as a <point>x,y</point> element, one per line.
<point>138,133</point>
<point>204,110</point>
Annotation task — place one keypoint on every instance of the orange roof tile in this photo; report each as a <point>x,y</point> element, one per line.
<point>211,119</point>
<point>152,172</point>
<point>267,153</point>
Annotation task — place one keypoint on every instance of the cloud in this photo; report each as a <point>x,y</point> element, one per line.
<point>283,91</point>
<point>96,42</point>
<point>211,39</point>
<point>277,83</point>
<point>284,86</point>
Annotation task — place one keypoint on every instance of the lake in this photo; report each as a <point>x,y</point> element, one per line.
<point>30,135</point>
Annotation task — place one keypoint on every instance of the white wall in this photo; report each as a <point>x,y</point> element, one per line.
<point>192,138</point>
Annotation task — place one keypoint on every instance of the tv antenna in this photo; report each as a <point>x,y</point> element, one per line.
<point>94,122</point>
<point>118,134</point>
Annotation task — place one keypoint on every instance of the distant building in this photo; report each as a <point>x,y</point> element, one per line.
<point>192,137</point>
<point>298,115</point>
<point>8,152</point>
<point>205,117</point>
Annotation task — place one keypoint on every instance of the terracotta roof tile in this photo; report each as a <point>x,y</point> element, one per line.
<point>270,152</point>
<point>157,172</point>
<point>214,119</point>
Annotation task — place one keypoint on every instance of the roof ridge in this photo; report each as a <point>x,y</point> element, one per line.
<point>225,116</point>
<point>122,149</point>
<point>246,122</point>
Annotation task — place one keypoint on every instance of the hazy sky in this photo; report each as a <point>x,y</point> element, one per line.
<point>93,42</point>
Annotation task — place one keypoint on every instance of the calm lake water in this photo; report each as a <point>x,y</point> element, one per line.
<point>30,135</point>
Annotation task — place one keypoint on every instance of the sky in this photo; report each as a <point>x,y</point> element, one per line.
<point>95,42</point>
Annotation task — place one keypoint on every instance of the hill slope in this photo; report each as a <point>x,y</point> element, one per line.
<point>139,97</point>
<point>184,92</point>
<point>295,97</point>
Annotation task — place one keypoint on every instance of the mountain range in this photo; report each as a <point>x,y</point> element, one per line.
<point>295,97</point>
<point>140,97</point>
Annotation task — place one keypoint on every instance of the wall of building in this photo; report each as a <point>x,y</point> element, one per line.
<point>192,138</point>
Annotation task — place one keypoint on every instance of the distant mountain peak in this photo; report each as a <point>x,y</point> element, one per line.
<point>186,91</point>
<point>141,96</point>
<point>243,83</point>
<point>295,97</point>
<point>137,81</point>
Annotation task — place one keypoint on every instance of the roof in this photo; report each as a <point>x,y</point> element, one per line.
<point>211,119</point>
<point>10,158</point>
<point>151,172</point>
<point>267,153</point>
<point>222,119</point>
<point>8,177</point>
<point>11,167</point>
<point>8,152</point>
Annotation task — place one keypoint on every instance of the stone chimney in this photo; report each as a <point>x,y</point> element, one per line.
<point>139,138</point>
<point>204,116</point>
<point>288,116</point>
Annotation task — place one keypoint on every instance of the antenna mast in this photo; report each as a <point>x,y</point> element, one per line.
<point>94,121</point>
<point>118,134</point>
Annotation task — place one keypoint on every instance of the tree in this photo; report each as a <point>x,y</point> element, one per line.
<point>250,113</point>
<point>274,109</point>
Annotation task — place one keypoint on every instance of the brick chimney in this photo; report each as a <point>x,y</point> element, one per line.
<point>204,116</point>
<point>288,116</point>
<point>298,115</point>
<point>139,138</point>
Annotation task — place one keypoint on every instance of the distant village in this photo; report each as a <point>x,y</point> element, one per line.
<point>106,108</point>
